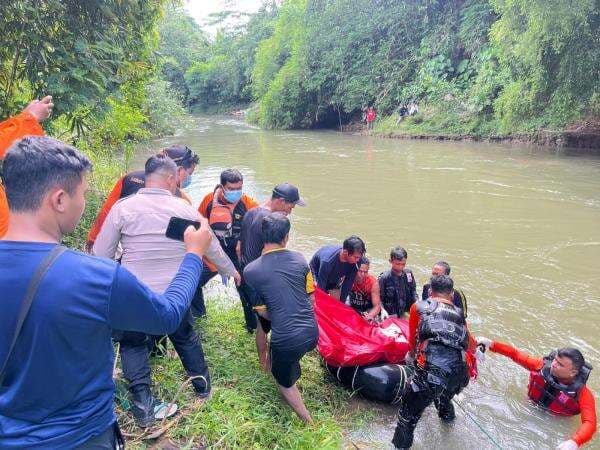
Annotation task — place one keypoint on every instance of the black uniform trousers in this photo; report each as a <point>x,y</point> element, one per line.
<point>134,350</point>
<point>199,307</point>
<point>429,385</point>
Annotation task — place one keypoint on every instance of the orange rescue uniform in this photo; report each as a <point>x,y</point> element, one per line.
<point>587,402</point>
<point>12,129</point>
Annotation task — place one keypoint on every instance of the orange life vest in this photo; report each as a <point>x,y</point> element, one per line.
<point>548,393</point>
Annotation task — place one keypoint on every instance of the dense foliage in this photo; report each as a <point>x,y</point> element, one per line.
<point>474,66</point>
<point>99,61</point>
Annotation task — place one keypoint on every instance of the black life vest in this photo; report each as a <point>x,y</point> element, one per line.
<point>441,323</point>
<point>550,394</point>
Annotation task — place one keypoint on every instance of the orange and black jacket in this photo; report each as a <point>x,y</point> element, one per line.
<point>244,205</point>
<point>126,185</point>
<point>587,402</point>
<point>14,128</point>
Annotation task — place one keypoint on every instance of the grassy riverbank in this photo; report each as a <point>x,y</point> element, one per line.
<point>449,124</point>
<point>246,410</point>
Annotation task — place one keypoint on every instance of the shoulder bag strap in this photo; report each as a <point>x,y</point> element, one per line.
<point>38,276</point>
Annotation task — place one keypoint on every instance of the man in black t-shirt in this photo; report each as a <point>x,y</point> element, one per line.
<point>283,200</point>
<point>458,298</point>
<point>281,287</point>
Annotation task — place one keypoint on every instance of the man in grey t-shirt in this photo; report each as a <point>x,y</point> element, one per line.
<point>281,288</point>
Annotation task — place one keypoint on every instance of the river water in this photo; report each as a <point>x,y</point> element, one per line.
<point>519,226</point>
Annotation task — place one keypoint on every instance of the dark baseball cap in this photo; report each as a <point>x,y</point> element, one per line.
<point>289,193</point>
<point>182,155</point>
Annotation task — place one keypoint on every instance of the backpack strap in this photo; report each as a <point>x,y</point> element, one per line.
<point>32,288</point>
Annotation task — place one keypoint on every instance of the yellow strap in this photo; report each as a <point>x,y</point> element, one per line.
<point>310,283</point>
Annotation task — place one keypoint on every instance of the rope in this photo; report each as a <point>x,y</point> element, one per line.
<point>484,431</point>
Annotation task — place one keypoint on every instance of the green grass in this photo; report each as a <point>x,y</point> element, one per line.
<point>246,410</point>
<point>447,119</point>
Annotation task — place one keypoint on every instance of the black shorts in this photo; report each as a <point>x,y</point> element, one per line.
<point>285,364</point>
<point>264,323</point>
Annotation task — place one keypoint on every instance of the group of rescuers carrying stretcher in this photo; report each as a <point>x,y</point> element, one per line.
<point>276,286</point>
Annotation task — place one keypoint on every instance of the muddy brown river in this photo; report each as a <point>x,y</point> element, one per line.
<point>519,226</point>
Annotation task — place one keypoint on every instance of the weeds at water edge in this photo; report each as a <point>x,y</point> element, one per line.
<point>245,410</point>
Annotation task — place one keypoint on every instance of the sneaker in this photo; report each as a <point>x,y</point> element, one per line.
<point>163,410</point>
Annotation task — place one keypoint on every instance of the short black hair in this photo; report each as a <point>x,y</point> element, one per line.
<point>231,176</point>
<point>398,253</point>
<point>445,265</point>
<point>275,227</point>
<point>36,164</point>
<point>574,355</point>
<point>354,244</point>
<point>442,284</point>
<point>364,260</point>
<point>160,163</point>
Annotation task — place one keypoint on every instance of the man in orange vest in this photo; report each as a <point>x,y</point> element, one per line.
<point>225,209</point>
<point>557,383</point>
<point>27,123</point>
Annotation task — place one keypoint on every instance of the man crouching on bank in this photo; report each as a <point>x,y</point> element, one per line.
<point>282,289</point>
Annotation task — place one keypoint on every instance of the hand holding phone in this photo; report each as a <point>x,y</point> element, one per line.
<point>195,235</point>
<point>177,226</point>
<point>198,240</point>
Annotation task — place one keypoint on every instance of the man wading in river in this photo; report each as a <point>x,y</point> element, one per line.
<point>281,289</point>
<point>557,383</point>
<point>56,362</point>
<point>438,341</point>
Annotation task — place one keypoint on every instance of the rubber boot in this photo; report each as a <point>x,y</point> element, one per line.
<point>142,407</point>
<point>404,433</point>
<point>445,410</point>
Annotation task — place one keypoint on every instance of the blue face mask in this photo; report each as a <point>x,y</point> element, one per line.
<point>185,183</point>
<point>232,196</point>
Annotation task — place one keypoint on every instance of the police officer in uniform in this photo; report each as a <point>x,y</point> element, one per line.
<point>438,341</point>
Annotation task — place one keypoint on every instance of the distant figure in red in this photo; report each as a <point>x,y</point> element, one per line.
<point>371,116</point>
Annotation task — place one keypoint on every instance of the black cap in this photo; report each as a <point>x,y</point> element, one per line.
<point>181,154</point>
<point>289,193</point>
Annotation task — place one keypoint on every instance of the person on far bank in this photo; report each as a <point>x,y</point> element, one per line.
<point>281,289</point>
<point>334,267</point>
<point>284,198</point>
<point>131,182</point>
<point>225,209</point>
<point>438,339</point>
<point>137,225</point>
<point>26,123</point>
<point>443,268</point>
<point>371,116</point>
<point>557,383</point>
<point>56,362</point>
<point>397,286</point>
<point>364,295</point>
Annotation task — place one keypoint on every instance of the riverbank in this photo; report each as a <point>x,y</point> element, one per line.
<point>584,135</point>
<point>245,410</point>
